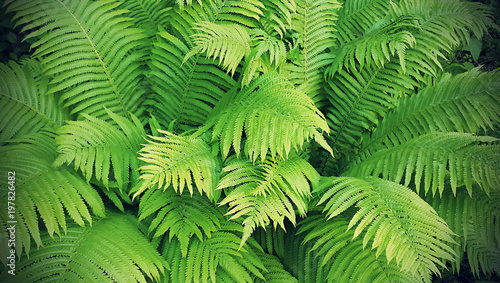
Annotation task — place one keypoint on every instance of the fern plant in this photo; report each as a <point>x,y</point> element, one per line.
<point>248,141</point>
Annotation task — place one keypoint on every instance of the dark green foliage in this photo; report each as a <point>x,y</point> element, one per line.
<point>250,141</point>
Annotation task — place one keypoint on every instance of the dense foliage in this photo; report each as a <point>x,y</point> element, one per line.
<point>249,141</point>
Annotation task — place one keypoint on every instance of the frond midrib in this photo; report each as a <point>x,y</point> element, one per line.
<point>32,108</point>
<point>353,108</point>
<point>110,79</point>
<point>407,118</point>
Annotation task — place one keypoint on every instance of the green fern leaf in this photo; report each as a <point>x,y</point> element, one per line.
<point>268,54</point>
<point>180,161</point>
<point>99,148</point>
<point>217,259</point>
<point>90,50</point>
<point>357,17</point>
<point>474,220</point>
<point>465,103</point>
<point>44,192</point>
<point>148,14</point>
<point>278,16</point>
<point>181,215</point>
<point>430,158</point>
<point>269,102</point>
<point>275,270</point>
<point>229,43</point>
<point>24,105</point>
<point>395,219</point>
<point>112,250</point>
<point>264,193</point>
<point>272,241</point>
<point>376,47</point>
<point>344,256</point>
<point>184,93</point>
<point>314,25</point>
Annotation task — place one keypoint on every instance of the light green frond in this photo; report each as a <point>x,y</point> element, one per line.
<point>264,193</point>
<point>273,116</point>
<point>395,220</point>
<point>24,105</point>
<point>435,158</point>
<point>215,259</point>
<point>90,50</point>
<point>181,215</point>
<point>42,191</point>
<point>180,161</point>
<point>187,92</point>
<point>466,102</point>
<point>112,250</point>
<point>228,43</point>
<point>101,149</point>
<point>345,257</point>
<point>314,27</point>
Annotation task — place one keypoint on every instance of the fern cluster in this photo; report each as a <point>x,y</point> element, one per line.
<point>249,141</point>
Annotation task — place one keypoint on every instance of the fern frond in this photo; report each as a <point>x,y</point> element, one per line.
<point>99,149</point>
<point>278,16</point>
<point>376,47</point>
<point>465,103</point>
<point>268,54</point>
<point>227,42</point>
<point>246,13</point>
<point>180,161</point>
<point>483,235</point>
<point>314,25</point>
<point>298,258</point>
<point>264,193</point>
<point>148,14</point>
<point>395,219</point>
<point>273,115</point>
<point>446,24</point>
<point>475,221</point>
<point>90,50</point>
<point>358,100</point>
<point>24,106</point>
<point>186,3</point>
<point>275,270</point>
<point>112,250</point>
<point>216,259</point>
<point>44,191</point>
<point>344,256</point>
<point>430,158</point>
<point>181,215</point>
<point>272,241</point>
<point>443,26</point>
<point>185,92</point>
<point>367,92</point>
<point>358,17</point>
